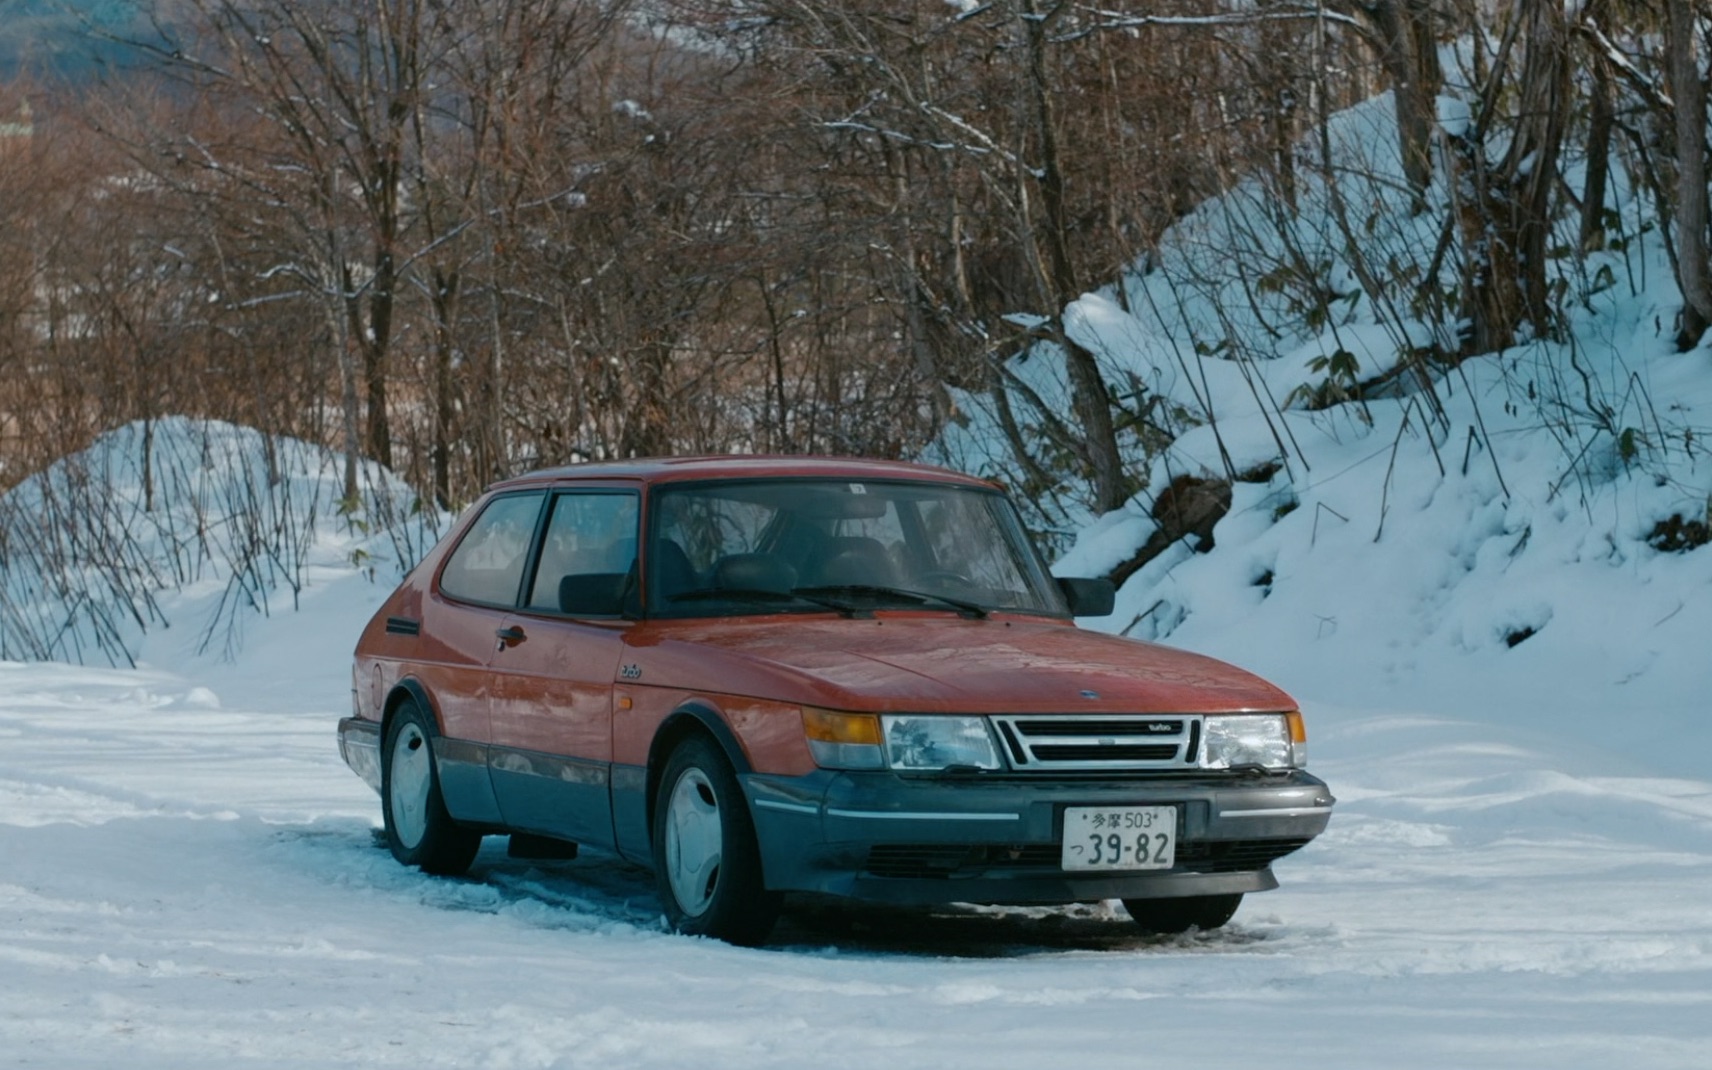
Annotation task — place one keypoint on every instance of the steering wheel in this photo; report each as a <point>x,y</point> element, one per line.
<point>943,577</point>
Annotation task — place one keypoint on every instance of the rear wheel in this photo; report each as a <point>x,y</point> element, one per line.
<point>418,829</point>
<point>706,858</point>
<point>1178,915</point>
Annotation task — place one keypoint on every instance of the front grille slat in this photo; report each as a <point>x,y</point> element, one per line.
<point>1077,726</point>
<point>1018,755</point>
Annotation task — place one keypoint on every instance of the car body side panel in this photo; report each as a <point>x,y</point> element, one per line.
<point>764,734</point>
<point>451,658</point>
<point>551,726</point>
<point>437,652</point>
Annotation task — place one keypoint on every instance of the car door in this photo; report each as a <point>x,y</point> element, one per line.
<point>476,590</point>
<point>553,669</point>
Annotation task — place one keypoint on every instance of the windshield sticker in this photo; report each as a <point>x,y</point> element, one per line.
<point>858,488</point>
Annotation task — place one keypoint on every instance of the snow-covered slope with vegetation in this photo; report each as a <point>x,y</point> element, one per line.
<point>1513,532</point>
<point>193,525</point>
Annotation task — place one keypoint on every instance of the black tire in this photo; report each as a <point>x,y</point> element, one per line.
<point>716,889</point>
<point>418,829</point>
<point>1204,912</point>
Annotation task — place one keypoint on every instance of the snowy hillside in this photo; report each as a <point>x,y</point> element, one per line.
<point>1507,534</point>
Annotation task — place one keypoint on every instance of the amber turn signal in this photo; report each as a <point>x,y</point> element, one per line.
<point>830,726</point>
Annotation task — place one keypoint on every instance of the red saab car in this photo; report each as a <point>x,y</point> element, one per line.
<point>768,675</point>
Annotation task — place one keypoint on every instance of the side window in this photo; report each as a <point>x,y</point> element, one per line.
<point>589,534</point>
<point>488,564</point>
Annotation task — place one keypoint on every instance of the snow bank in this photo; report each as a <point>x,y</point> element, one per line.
<point>187,522</point>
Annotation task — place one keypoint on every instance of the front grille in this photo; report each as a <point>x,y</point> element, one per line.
<point>1103,742</point>
<point>939,861</point>
<point>1104,752</point>
<point>1233,856</point>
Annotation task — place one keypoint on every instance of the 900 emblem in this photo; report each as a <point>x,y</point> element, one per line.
<point>630,672</point>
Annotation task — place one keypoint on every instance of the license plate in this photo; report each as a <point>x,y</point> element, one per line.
<point>1119,837</point>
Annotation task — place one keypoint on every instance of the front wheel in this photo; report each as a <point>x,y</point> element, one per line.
<point>706,858</point>
<point>418,829</point>
<point>1204,912</point>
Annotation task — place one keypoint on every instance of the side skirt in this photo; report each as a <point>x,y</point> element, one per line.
<point>550,794</point>
<point>465,783</point>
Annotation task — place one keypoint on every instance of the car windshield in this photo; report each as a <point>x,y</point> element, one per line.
<point>806,545</point>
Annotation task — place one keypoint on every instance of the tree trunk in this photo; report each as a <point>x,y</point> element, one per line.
<point>1408,52</point>
<point>445,299</point>
<point>1601,123</point>
<point>1690,94</point>
<point>1531,167</point>
<point>1090,398</point>
<point>376,341</point>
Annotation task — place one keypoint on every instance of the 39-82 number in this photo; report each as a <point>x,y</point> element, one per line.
<point>1145,850</point>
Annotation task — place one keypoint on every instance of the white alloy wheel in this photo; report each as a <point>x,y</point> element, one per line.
<point>412,779</point>
<point>707,859</point>
<point>695,841</point>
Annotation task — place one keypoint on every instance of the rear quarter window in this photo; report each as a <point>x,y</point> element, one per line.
<point>487,565</point>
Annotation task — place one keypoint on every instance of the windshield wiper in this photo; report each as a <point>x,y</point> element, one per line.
<point>762,595</point>
<point>917,598</point>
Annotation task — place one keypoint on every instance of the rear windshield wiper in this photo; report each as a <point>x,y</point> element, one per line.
<point>914,598</point>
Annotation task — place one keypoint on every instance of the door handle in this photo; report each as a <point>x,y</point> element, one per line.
<point>509,637</point>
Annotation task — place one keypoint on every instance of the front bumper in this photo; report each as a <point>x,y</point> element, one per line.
<point>883,837</point>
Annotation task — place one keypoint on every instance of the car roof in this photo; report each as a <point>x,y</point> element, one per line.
<point>741,466</point>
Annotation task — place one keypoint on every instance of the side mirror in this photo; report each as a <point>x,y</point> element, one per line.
<point>1088,598</point>
<point>593,594</point>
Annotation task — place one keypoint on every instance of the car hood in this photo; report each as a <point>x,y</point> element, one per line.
<point>933,663</point>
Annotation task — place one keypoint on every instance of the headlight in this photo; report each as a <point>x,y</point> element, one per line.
<point>924,742</point>
<point>1269,740</point>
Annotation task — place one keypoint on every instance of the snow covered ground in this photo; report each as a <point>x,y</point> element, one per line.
<point>192,878</point>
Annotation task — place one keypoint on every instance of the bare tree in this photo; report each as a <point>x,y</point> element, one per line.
<point>337,86</point>
<point>1688,89</point>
